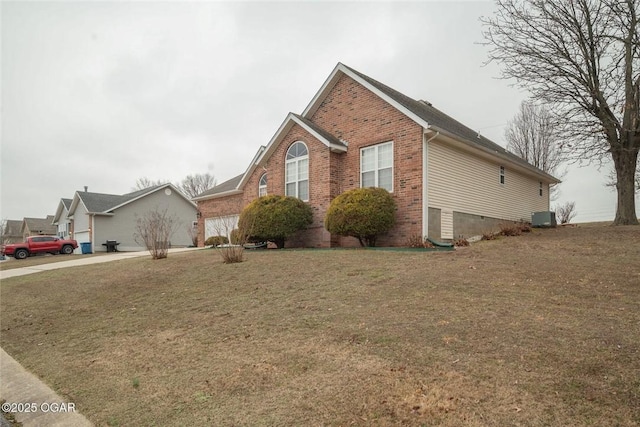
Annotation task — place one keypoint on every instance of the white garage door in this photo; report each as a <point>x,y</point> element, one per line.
<point>220,226</point>
<point>81,237</point>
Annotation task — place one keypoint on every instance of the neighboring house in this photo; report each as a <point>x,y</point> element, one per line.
<point>98,217</point>
<point>12,231</point>
<point>38,227</point>
<point>61,219</point>
<point>447,180</point>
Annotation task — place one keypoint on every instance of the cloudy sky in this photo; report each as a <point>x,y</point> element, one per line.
<point>103,93</point>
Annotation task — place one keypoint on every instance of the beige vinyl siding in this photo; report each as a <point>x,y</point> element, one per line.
<point>460,181</point>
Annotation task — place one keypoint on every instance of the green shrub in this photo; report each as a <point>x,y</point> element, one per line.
<point>216,240</point>
<point>363,213</point>
<point>274,218</point>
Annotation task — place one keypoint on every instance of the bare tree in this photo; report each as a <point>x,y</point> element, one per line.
<point>227,226</point>
<point>154,230</point>
<point>194,185</point>
<point>532,135</point>
<point>191,186</point>
<point>566,212</point>
<point>582,58</point>
<point>612,182</point>
<point>144,183</point>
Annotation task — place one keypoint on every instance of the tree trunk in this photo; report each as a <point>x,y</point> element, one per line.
<point>625,164</point>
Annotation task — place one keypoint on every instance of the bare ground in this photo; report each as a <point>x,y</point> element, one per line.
<point>542,329</point>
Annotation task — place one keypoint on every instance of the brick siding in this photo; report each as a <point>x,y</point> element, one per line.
<point>355,115</point>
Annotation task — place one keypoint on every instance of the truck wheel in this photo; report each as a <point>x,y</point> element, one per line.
<point>67,249</point>
<point>21,254</point>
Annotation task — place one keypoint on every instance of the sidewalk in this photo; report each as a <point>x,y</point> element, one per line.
<point>20,386</point>
<point>44,405</point>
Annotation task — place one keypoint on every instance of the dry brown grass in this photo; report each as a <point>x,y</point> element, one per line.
<point>535,330</point>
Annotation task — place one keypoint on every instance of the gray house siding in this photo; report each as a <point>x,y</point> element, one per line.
<point>122,225</point>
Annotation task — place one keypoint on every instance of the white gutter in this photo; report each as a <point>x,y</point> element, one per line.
<point>425,186</point>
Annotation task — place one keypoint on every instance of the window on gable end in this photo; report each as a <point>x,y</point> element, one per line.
<point>297,171</point>
<point>376,166</point>
<point>262,185</point>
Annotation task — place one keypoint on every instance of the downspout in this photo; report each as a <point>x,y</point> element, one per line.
<point>91,228</point>
<point>425,186</point>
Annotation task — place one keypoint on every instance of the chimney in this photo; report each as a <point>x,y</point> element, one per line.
<point>86,188</point>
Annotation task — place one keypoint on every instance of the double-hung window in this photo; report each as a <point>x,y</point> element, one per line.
<point>297,171</point>
<point>376,166</point>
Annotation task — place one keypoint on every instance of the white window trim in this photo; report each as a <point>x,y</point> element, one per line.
<point>502,177</point>
<point>297,160</point>
<point>376,146</point>
<point>262,186</point>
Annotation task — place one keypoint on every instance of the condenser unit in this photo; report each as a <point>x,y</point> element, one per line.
<point>543,219</point>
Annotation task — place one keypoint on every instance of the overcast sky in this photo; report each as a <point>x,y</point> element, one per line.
<point>103,93</point>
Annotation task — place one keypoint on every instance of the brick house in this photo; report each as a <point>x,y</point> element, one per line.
<point>447,180</point>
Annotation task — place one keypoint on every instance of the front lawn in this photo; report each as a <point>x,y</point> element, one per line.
<point>541,329</point>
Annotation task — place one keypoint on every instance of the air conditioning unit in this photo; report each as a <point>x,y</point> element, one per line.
<point>543,219</point>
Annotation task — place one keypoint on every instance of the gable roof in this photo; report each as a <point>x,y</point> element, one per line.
<point>105,204</point>
<point>62,205</point>
<point>423,113</point>
<point>235,184</point>
<point>228,187</point>
<point>12,228</point>
<point>39,225</point>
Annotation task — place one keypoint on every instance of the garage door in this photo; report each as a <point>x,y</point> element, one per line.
<point>81,237</point>
<point>220,226</point>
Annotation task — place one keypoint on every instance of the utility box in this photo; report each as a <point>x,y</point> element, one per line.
<point>543,219</point>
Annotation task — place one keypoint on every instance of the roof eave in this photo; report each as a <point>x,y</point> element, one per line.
<point>333,79</point>
<point>254,162</point>
<point>529,169</point>
<point>217,195</point>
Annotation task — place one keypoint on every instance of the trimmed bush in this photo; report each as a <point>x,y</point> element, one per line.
<point>363,213</point>
<point>274,218</point>
<point>216,240</point>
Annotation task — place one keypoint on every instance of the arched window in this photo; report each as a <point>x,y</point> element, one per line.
<point>262,185</point>
<point>297,171</point>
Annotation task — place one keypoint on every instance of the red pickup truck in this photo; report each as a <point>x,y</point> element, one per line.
<point>39,245</point>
